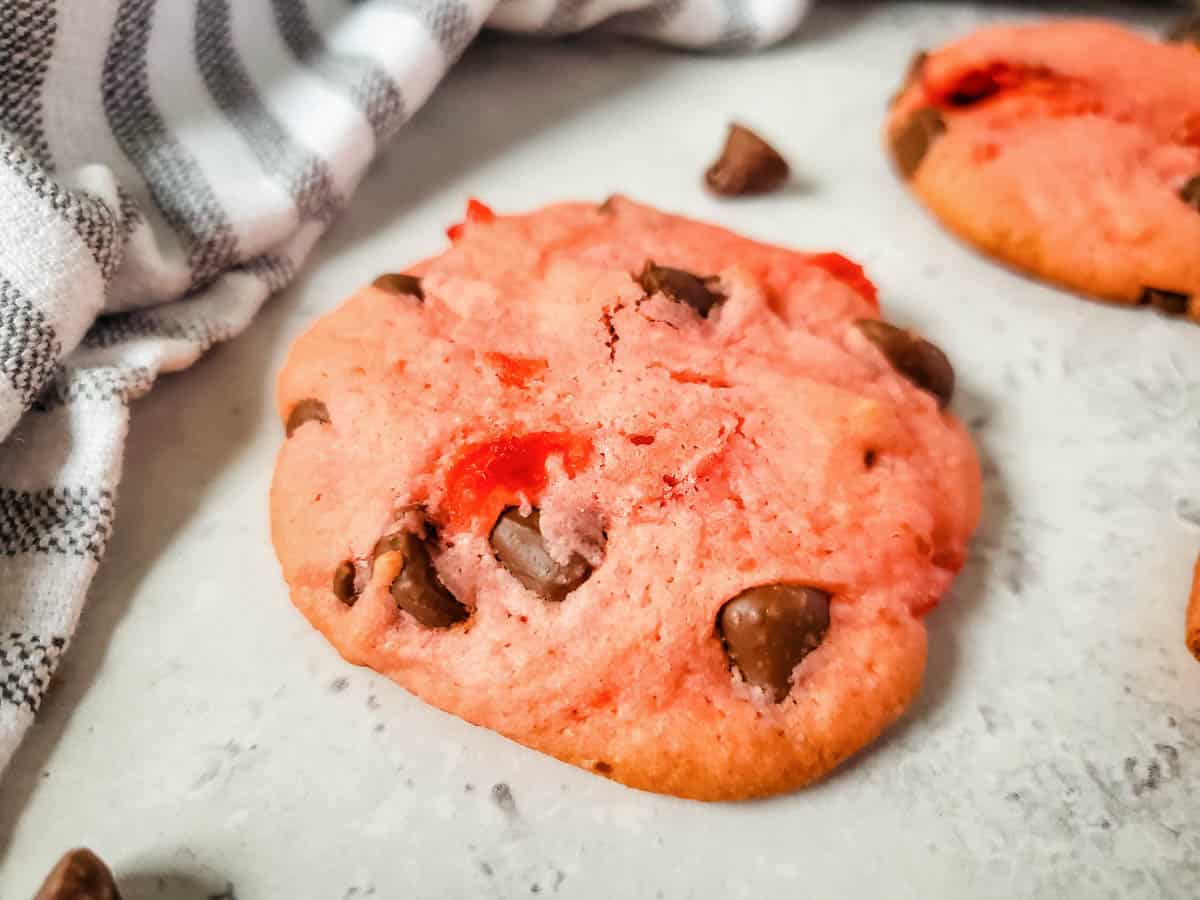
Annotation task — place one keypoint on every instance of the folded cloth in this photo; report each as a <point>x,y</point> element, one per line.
<point>164,168</point>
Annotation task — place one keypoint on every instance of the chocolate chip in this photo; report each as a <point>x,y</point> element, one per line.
<point>768,630</point>
<point>418,590</point>
<point>395,283</point>
<point>79,875</point>
<point>518,542</point>
<point>913,139</point>
<point>1171,303</point>
<point>747,165</point>
<point>343,582</point>
<point>1190,193</point>
<point>920,361</point>
<point>683,287</point>
<point>309,410</point>
<point>915,67</point>
<point>1186,31</point>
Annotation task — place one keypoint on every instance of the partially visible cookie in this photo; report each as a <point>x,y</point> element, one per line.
<point>1193,614</point>
<point>1069,149</point>
<point>659,500</point>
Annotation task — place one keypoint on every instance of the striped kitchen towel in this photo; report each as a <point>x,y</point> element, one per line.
<point>164,168</point>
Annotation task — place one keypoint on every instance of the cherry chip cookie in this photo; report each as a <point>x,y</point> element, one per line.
<point>1068,149</point>
<point>636,492</point>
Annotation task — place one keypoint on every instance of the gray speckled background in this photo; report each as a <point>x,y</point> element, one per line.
<point>209,744</point>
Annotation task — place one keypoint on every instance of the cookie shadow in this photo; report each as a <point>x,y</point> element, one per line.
<point>1153,15</point>
<point>945,624</point>
<point>169,884</point>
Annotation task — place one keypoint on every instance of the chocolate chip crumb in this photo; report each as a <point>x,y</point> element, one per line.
<point>343,582</point>
<point>920,361</point>
<point>915,67</point>
<point>400,284</point>
<point>1190,193</point>
<point>912,140</point>
<point>697,292</point>
<point>747,165</point>
<point>603,768</point>
<point>1171,303</point>
<point>309,410</point>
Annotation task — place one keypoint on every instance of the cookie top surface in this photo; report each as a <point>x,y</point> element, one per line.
<point>661,462</point>
<point>1070,149</point>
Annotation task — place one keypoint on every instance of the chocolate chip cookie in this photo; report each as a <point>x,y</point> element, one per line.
<point>658,500</point>
<point>1068,149</point>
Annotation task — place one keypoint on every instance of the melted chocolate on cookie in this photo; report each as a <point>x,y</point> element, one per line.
<point>920,361</point>
<point>681,286</point>
<point>518,543</point>
<point>768,630</point>
<point>400,284</point>
<point>310,410</point>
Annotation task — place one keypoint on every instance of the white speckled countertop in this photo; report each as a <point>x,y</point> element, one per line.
<point>208,743</point>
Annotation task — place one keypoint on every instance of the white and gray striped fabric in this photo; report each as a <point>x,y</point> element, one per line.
<point>165,166</point>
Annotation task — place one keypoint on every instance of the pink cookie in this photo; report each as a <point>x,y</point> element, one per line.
<point>1068,149</point>
<point>658,500</point>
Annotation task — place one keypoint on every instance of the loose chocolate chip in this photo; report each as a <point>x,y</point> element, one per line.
<point>395,283</point>
<point>418,590</point>
<point>309,410</point>
<point>747,165</point>
<point>913,139</point>
<point>1190,193</point>
<point>921,362</point>
<point>79,875</point>
<point>518,542</point>
<point>768,630</point>
<point>1186,31</point>
<point>681,286</point>
<point>343,582</point>
<point>1171,303</point>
